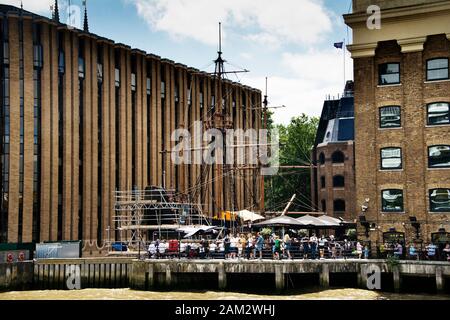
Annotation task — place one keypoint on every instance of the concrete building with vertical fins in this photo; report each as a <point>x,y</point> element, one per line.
<point>83,116</point>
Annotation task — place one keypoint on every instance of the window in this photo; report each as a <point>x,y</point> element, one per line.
<point>390,117</point>
<point>438,113</point>
<point>324,206</point>
<point>163,90</point>
<point>81,68</point>
<point>38,56</point>
<point>322,182</point>
<point>339,205</point>
<point>391,158</point>
<point>440,200</point>
<point>439,157</point>
<point>322,158</point>
<point>392,200</point>
<point>149,86</point>
<point>389,73</point>
<point>338,157</point>
<point>117,77</point>
<point>338,181</point>
<point>437,69</point>
<point>100,72</point>
<point>133,82</point>
<point>61,62</point>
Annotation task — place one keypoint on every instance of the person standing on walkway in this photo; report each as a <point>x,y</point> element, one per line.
<point>313,245</point>
<point>277,248</point>
<point>431,251</point>
<point>359,250</point>
<point>226,242</point>
<point>287,245</point>
<point>305,244</point>
<point>259,245</point>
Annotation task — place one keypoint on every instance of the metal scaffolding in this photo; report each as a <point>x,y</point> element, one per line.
<point>141,215</point>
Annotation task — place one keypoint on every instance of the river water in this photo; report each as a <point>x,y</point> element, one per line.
<point>127,294</point>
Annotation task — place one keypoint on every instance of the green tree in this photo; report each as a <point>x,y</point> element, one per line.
<point>296,143</point>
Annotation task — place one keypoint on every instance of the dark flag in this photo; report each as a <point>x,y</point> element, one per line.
<point>339,45</point>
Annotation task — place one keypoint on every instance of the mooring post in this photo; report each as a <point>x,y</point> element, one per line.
<point>222,276</point>
<point>279,278</point>
<point>168,276</point>
<point>362,276</point>
<point>439,280</point>
<point>151,275</point>
<point>325,276</point>
<point>397,279</point>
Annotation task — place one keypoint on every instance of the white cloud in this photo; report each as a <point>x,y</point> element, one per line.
<point>314,76</point>
<point>266,21</point>
<point>35,6</point>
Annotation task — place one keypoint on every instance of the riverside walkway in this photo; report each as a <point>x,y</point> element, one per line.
<point>223,275</point>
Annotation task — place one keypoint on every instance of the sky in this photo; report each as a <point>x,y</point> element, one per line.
<point>288,41</point>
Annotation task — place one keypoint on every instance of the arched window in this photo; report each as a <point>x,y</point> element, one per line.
<point>338,181</point>
<point>338,157</point>
<point>322,158</point>
<point>339,205</point>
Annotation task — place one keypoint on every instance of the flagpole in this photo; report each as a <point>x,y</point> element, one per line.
<point>344,48</point>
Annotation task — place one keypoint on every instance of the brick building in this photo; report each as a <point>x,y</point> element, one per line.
<point>402,119</point>
<point>333,175</point>
<point>82,116</point>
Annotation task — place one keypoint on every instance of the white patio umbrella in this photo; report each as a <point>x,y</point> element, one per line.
<point>248,216</point>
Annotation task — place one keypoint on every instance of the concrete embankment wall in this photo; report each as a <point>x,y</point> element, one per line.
<point>218,275</point>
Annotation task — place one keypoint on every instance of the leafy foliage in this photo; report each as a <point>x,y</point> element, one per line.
<point>296,143</point>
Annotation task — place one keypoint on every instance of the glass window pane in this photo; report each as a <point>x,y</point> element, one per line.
<point>440,200</point>
<point>390,117</point>
<point>438,113</point>
<point>439,157</point>
<point>389,73</point>
<point>391,158</point>
<point>438,74</point>
<point>392,201</point>
<point>437,64</point>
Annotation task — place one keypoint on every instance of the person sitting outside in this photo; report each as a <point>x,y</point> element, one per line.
<point>398,253</point>
<point>163,246</point>
<point>431,251</point>
<point>152,250</point>
<point>413,252</point>
<point>446,251</point>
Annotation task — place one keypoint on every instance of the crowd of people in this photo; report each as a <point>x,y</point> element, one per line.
<point>257,246</point>
<point>413,251</point>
